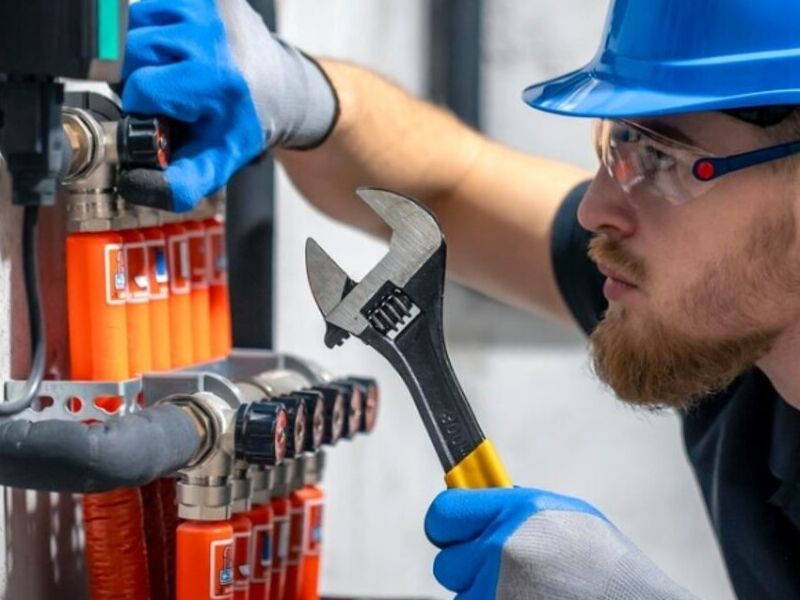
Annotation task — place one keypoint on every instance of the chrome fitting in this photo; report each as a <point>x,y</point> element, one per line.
<point>90,211</point>
<point>126,218</point>
<point>90,182</point>
<point>204,487</point>
<point>93,145</point>
<point>315,468</point>
<point>278,382</point>
<point>261,481</point>
<point>146,217</point>
<point>281,481</point>
<point>241,488</point>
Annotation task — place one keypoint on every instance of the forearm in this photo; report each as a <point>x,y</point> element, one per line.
<point>495,205</point>
<point>385,137</point>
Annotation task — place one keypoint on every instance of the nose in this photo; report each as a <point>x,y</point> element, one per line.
<point>606,208</point>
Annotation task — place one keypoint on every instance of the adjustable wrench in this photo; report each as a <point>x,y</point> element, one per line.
<point>397,309</point>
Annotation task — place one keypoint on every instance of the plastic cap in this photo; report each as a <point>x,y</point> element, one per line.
<point>333,398</point>
<point>315,413</point>
<point>296,413</point>
<point>354,405</point>
<point>143,143</point>
<point>260,435</point>
<point>369,414</point>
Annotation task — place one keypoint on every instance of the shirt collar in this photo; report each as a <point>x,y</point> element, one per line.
<point>784,459</point>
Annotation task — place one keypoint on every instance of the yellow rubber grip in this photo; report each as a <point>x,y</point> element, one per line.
<point>482,468</point>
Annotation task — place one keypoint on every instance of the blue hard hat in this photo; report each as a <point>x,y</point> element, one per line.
<point>674,56</point>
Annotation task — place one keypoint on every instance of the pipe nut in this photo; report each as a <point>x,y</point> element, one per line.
<point>204,502</point>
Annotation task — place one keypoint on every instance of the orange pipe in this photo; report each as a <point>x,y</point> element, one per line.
<point>261,562</point>
<point>199,294</point>
<point>302,571</point>
<point>97,323</point>
<point>155,538</point>
<point>280,546</point>
<point>115,545</point>
<point>311,552</point>
<point>294,562</point>
<point>161,350</point>
<point>219,299</point>
<point>96,313</point>
<point>140,360</point>
<point>78,323</point>
<point>242,555</point>
<point>169,505</point>
<point>140,357</point>
<point>205,561</point>
<point>180,302</point>
<point>179,322</point>
<point>158,271</point>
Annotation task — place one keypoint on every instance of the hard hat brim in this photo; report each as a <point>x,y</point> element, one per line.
<point>583,93</point>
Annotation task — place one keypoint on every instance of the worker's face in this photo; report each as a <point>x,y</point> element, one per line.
<point>716,281</point>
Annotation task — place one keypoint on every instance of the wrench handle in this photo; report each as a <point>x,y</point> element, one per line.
<point>467,457</point>
<point>418,353</point>
<point>482,468</point>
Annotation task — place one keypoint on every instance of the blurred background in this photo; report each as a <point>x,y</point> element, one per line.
<point>529,381</point>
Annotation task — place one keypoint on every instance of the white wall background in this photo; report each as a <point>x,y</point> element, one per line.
<point>529,381</point>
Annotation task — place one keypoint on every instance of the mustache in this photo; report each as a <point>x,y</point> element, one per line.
<point>610,253</point>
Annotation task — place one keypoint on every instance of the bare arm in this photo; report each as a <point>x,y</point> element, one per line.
<point>496,205</point>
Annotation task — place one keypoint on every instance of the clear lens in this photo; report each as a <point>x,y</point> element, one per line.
<point>633,155</point>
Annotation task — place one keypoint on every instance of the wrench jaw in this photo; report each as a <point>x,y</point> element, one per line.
<point>329,285</point>
<point>334,335</point>
<point>347,305</point>
<point>415,231</point>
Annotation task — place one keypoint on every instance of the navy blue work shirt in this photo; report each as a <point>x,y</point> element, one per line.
<point>743,444</point>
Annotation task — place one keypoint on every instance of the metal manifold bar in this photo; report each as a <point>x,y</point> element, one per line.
<point>78,400</point>
<point>98,400</point>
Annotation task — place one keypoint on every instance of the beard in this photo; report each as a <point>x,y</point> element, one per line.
<point>649,363</point>
<point>652,366</point>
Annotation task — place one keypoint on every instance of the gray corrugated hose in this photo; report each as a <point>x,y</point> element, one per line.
<point>128,451</point>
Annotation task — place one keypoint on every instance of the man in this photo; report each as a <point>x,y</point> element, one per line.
<point>692,292</point>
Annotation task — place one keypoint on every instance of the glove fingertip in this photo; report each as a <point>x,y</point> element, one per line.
<point>146,187</point>
<point>188,184</point>
<point>441,570</point>
<point>435,518</point>
<point>132,97</point>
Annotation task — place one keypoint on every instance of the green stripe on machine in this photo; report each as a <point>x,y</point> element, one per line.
<point>108,29</point>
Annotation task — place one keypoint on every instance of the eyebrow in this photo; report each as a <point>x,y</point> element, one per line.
<point>670,131</point>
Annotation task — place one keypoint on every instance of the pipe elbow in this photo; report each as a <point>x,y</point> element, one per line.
<point>125,451</point>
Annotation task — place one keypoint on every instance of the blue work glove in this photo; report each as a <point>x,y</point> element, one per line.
<point>518,543</point>
<point>234,89</point>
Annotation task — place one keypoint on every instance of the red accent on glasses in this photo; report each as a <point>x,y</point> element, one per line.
<point>705,170</point>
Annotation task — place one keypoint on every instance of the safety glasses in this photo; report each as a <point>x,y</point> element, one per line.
<point>678,172</point>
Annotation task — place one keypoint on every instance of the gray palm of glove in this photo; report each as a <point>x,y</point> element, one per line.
<point>523,544</point>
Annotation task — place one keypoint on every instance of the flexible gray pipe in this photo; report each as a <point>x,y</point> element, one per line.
<point>127,451</point>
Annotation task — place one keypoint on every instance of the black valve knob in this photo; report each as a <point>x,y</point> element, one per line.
<point>369,416</point>
<point>354,406</point>
<point>298,421</point>
<point>143,143</point>
<point>260,434</point>
<point>315,413</point>
<point>333,398</point>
